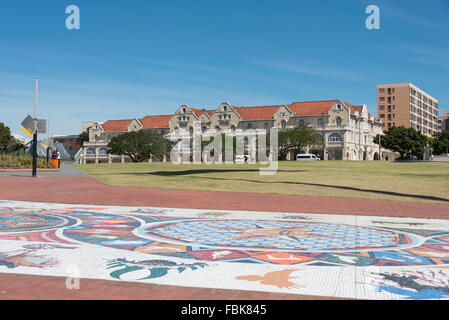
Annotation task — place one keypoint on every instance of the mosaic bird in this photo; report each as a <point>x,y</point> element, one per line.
<point>280,279</point>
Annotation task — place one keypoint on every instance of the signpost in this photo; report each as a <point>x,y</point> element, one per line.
<point>32,126</point>
<point>35,132</point>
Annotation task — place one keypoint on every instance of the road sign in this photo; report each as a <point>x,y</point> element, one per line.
<point>42,126</point>
<point>29,125</point>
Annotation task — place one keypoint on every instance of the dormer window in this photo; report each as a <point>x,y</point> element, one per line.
<point>339,107</point>
<point>184,110</point>
<point>224,108</point>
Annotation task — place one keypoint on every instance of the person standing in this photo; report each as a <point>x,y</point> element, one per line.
<point>59,159</point>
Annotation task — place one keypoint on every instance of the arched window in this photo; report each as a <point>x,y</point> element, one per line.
<point>191,131</point>
<point>90,152</point>
<point>203,129</point>
<point>335,137</point>
<point>217,128</point>
<point>245,141</point>
<point>301,123</point>
<point>102,151</point>
<point>338,120</point>
<point>283,124</point>
<point>233,128</point>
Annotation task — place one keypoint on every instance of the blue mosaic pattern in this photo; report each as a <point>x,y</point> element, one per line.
<point>302,236</point>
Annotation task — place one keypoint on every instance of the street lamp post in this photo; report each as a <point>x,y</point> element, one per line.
<point>34,173</point>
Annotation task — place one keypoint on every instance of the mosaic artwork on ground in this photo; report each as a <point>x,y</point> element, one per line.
<point>325,255</point>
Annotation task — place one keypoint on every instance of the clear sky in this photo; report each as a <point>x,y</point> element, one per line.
<point>134,58</point>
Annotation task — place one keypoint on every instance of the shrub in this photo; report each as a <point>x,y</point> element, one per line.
<point>22,162</point>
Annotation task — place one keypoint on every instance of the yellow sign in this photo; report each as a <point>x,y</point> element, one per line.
<point>28,132</point>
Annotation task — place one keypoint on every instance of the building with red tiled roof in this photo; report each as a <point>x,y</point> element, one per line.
<point>116,125</point>
<point>347,130</point>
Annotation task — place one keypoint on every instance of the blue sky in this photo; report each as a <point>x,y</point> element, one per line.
<point>136,58</point>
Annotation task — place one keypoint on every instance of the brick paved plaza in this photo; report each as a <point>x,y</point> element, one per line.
<point>133,243</point>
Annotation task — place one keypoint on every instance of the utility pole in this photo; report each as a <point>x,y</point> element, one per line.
<point>380,147</point>
<point>35,132</point>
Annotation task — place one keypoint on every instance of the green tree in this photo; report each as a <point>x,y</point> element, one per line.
<point>405,141</point>
<point>7,142</point>
<point>296,140</point>
<point>5,138</point>
<point>82,137</point>
<point>441,142</point>
<point>139,145</point>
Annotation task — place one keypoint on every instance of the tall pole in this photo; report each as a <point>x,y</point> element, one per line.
<point>35,132</point>
<point>380,147</point>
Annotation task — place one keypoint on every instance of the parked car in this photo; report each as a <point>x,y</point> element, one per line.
<point>307,157</point>
<point>241,158</point>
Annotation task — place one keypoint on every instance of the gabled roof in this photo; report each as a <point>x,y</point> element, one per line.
<point>199,112</point>
<point>159,121</point>
<point>353,108</point>
<point>257,113</point>
<point>116,125</point>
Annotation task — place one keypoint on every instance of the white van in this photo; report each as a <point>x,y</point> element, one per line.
<point>241,158</point>
<point>307,157</point>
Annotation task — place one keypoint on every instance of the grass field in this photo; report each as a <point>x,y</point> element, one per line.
<point>414,182</point>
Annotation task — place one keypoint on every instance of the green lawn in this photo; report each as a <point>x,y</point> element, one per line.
<point>415,182</point>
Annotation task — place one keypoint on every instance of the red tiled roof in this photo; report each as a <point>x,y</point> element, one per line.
<point>319,107</point>
<point>311,107</point>
<point>257,113</point>
<point>116,125</point>
<point>159,121</point>
<point>199,112</point>
<point>353,108</point>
